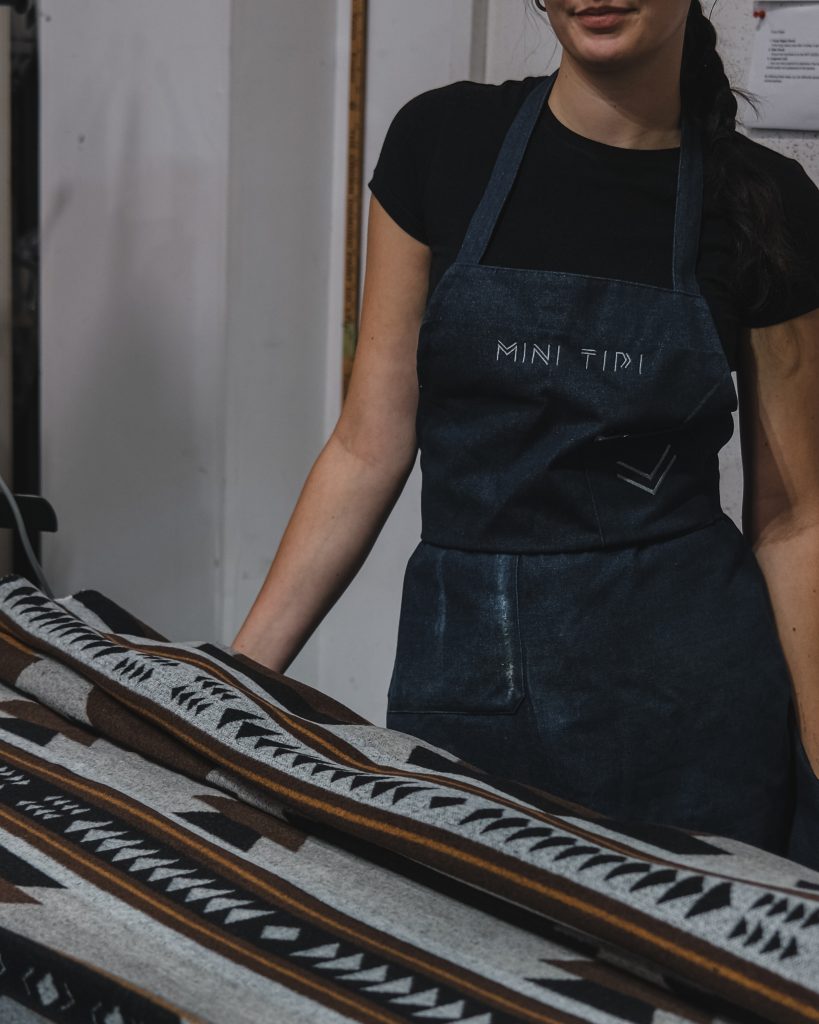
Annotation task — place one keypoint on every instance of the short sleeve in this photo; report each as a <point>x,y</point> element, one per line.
<point>402,170</point>
<point>800,201</point>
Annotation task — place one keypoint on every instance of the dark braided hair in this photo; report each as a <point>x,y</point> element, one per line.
<point>764,258</point>
<point>745,191</point>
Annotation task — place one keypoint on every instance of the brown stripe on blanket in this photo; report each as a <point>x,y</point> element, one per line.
<point>15,656</point>
<point>243,877</point>
<point>117,723</point>
<point>315,705</point>
<point>278,831</point>
<point>328,744</point>
<point>37,650</point>
<point>40,715</point>
<point>120,725</point>
<point>11,894</point>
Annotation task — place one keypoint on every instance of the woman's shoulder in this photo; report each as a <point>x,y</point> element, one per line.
<point>475,101</point>
<point>484,95</point>
<point>798,197</point>
<point>459,125</point>
<point>795,189</point>
<point>789,174</point>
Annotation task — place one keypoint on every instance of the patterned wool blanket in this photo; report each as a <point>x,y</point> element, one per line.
<point>185,836</point>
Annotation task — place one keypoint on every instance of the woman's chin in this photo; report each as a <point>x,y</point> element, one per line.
<point>603,54</point>
<point>603,65</point>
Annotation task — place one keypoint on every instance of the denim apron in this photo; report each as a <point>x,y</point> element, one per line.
<point>580,614</point>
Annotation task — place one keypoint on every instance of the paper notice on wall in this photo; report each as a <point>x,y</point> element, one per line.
<point>784,74</point>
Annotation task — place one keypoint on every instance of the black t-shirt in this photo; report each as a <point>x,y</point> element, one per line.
<point>577,205</point>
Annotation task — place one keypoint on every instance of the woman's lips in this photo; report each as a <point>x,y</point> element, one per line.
<point>602,20</point>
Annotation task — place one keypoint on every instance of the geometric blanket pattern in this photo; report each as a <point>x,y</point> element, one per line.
<point>186,836</point>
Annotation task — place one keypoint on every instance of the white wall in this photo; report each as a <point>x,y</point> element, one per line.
<point>283,79</point>
<point>187,179</point>
<point>519,41</point>
<point>5,277</point>
<point>134,177</point>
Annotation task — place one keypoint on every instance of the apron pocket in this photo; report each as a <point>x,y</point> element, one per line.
<point>458,649</point>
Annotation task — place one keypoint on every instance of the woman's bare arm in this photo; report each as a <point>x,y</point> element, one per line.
<point>360,472</point>
<point>779,384</point>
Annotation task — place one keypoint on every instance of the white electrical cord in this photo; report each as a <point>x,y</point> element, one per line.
<point>24,540</point>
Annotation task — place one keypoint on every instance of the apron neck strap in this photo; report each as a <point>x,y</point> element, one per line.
<point>504,173</point>
<point>688,209</point>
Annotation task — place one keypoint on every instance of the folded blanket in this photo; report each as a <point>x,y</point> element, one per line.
<point>186,836</point>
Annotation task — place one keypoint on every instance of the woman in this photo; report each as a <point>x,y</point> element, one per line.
<point>580,614</point>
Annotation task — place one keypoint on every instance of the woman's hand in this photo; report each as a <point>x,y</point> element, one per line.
<point>364,465</point>
<point>778,380</point>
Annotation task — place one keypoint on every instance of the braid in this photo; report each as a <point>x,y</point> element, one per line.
<point>746,193</point>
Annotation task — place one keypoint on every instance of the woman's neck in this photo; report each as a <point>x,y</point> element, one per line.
<point>633,108</point>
